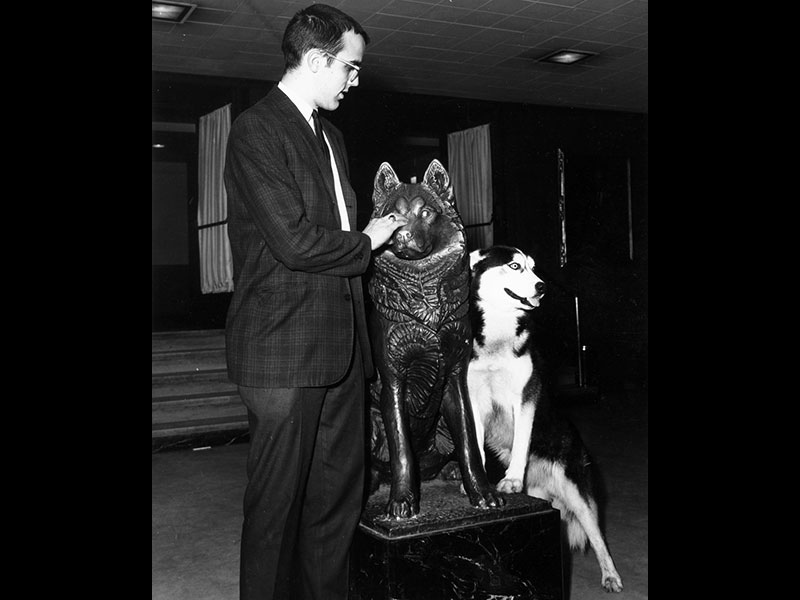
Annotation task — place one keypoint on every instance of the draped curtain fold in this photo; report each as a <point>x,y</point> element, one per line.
<point>216,263</point>
<point>470,168</point>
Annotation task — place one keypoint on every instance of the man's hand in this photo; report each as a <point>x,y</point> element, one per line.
<point>380,230</point>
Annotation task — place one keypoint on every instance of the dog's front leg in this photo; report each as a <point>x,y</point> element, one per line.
<point>405,488</point>
<point>520,448</point>
<point>521,394</point>
<point>457,414</point>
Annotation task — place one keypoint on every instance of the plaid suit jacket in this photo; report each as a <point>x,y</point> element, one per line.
<point>298,300</point>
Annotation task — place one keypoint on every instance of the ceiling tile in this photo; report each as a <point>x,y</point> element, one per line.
<point>481,49</point>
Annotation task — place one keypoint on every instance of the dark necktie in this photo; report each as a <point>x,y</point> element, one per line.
<point>320,137</point>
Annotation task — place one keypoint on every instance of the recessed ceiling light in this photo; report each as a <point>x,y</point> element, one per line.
<point>174,12</point>
<point>567,57</point>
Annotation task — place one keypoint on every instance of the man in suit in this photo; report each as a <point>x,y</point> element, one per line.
<point>296,336</point>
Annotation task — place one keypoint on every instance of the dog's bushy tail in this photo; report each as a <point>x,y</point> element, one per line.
<point>576,536</point>
<point>546,479</point>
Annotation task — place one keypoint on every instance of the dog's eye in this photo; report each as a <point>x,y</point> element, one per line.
<point>514,265</point>
<point>425,213</point>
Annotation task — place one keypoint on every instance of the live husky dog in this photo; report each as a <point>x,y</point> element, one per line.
<point>541,452</point>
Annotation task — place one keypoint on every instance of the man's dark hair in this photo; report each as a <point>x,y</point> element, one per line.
<point>318,26</point>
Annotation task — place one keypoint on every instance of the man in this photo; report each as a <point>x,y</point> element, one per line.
<point>296,337</point>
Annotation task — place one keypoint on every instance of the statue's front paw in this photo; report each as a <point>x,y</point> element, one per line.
<point>485,497</point>
<point>509,485</point>
<point>403,506</point>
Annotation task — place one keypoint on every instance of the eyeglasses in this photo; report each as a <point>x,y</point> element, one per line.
<point>354,69</point>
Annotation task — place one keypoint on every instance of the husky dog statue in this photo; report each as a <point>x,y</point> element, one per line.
<point>420,332</point>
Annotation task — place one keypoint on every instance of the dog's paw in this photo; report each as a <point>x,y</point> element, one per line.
<point>403,505</point>
<point>486,499</point>
<point>401,510</point>
<point>509,485</point>
<point>612,583</point>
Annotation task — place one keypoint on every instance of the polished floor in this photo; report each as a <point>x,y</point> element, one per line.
<point>197,500</point>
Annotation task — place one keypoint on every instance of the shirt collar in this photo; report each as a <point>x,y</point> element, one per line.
<point>304,107</point>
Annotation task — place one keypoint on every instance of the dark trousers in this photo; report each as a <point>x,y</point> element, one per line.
<point>303,500</point>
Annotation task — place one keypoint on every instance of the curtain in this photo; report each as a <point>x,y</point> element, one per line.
<point>470,168</point>
<point>216,263</point>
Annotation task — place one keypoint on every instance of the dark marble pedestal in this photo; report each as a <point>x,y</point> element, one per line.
<point>452,550</point>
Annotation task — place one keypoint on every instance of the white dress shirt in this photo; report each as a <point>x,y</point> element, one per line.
<point>306,110</point>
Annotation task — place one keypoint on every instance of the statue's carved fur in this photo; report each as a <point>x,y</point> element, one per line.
<point>420,331</point>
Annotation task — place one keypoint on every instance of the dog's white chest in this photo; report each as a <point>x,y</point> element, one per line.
<point>500,339</point>
<point>502,368</point>
<point>496,373</point>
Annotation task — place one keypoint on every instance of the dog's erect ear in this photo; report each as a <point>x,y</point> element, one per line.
<point>385,181</point>
<point>475,257</point>
<point>438,180</point>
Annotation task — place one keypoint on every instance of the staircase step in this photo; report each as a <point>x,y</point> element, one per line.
<point>192,397</point>
<point>181,361</point>
<point>192,382</point>
<point>189,409</point>
<point>199,426</point>
<point>170,341</point>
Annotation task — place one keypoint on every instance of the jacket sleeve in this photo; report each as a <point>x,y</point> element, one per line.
<point>287,201</point>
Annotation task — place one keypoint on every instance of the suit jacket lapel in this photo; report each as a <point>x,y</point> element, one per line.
<point>293,115</point>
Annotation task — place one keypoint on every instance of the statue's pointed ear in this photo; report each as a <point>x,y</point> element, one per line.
<point>386,179</point>
<point>438,180</point>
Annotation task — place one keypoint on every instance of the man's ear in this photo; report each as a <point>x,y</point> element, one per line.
<point>314,60</point>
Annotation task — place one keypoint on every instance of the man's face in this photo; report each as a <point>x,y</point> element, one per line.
<point>336,78</point>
